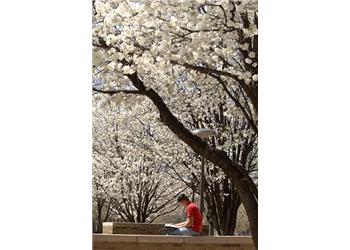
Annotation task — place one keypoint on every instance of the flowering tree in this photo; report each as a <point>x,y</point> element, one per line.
<point>125,176</point>
<point>175,53</point>
<point>101,208</point>
<point>240,143</point>
<point>101,203</point>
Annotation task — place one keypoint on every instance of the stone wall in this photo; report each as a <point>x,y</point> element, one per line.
<point>164,242</point>
<point>139,228</point>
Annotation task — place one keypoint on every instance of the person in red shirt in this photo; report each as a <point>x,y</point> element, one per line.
<point>194,222</point>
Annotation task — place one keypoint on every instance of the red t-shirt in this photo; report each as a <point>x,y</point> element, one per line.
<point>193,210</point>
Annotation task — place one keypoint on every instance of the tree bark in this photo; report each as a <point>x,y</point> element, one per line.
<point>222,210</point>
<point>99,216</point>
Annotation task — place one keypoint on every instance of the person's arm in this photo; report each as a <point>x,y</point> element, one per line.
<point>187,223</point>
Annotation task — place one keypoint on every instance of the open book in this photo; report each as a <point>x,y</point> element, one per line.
<point>171,226</point>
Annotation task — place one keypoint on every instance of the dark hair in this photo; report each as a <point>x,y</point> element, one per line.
<point>182,197</point>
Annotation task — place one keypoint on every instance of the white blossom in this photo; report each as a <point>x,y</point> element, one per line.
<point>111,39</point>
<point>251,54</point>
<point>128,70</point>
<point>111,66</point>
<point>97,57</point>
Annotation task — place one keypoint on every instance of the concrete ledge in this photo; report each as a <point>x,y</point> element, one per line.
<point>139,228</point>
<point>223,241</point>
<point>157,239</point>
<point>113,238</point>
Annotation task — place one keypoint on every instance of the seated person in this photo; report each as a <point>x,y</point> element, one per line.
<point>194,223</point>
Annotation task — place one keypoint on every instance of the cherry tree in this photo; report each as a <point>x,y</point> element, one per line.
<point>126,176</point>
<point>234,137</point>
<point>165,50</point>
<point>101,206</point>
<point>101,203</point>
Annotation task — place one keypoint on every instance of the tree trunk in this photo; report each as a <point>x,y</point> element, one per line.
<point>99,217</point>
<point>231,221</point>
<point>231,204</point>
<point>222,209</point>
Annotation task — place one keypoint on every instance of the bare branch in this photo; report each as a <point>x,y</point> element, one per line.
<point>114,92</point>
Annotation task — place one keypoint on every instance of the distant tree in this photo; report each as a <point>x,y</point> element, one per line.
<point>126,177</point>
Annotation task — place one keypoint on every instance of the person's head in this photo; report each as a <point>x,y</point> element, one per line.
<point>183,200</point>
